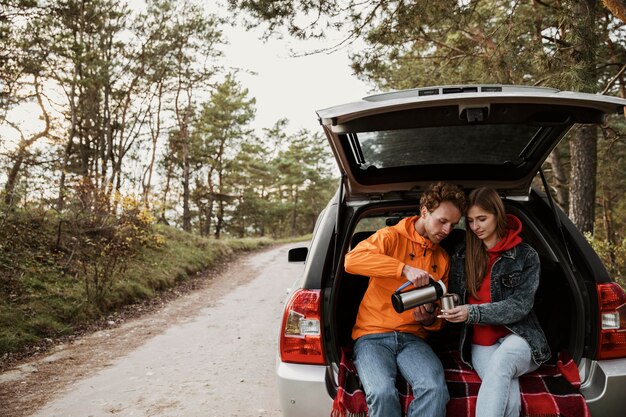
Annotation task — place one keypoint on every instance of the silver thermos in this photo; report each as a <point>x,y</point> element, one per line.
<point>430,292</point>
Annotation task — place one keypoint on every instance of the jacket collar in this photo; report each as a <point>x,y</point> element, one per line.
<point>511,253</point>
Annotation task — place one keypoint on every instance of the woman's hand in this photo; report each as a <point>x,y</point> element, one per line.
<point>458,314</point>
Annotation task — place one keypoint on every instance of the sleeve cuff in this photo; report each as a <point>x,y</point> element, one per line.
<point>473,314</point>
<point>399,270</point>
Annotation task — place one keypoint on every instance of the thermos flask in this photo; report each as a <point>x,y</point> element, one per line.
<point>430,292</point>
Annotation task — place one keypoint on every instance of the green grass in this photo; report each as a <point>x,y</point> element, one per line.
<point>38,299</point>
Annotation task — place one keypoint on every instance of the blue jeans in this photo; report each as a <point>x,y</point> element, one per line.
<point>499,367</point>
<point>379,357</point>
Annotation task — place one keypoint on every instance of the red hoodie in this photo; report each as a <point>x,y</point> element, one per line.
<point>488,334</point>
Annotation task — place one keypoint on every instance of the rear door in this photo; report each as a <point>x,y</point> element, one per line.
<point>469,135</point>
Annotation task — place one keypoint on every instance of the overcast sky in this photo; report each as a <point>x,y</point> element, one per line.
<point>291,87</point>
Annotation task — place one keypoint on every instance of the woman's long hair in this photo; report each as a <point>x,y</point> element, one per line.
<point>476,257</point>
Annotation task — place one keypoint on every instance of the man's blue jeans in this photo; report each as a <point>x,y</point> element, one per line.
<point>379,357</point>
<point>499,367</point>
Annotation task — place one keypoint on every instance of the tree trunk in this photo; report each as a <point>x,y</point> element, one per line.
<point>583,146</point>
<point>155,132</point>
<point>212,195</point>
<point>582,191</point>
<point>72,102</point>
<point>186,188</point>
<point>220,218</point>
<point>219,223</point>
<point>208,213</point>
<point>607,210</point>
<point>560,180</point>
<point>294,214</point>
<point>62,186</point>
<point>617,7</point>
<point>23,146</point>
<point>9,188</point>
<point>166,190</point>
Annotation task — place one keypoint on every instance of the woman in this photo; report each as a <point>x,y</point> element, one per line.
<point>497,275</point>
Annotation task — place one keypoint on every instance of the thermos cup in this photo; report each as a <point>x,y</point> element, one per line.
<point>449,301</point>
<point>430,292</point>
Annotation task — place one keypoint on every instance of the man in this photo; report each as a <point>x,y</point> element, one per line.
<point>387,341</point>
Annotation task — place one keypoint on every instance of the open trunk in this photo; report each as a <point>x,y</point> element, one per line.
<point>560,308</point>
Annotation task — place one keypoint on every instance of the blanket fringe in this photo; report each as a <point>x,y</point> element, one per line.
<point>339,413</point>
<point>542,415</point>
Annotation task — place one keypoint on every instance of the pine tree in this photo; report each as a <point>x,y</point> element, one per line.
<point>566,44</point>
<point>222,126</point>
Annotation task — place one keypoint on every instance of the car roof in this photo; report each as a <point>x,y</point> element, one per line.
<point>471,135</point>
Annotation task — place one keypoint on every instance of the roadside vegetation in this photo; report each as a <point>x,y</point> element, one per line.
<point>50,288</point>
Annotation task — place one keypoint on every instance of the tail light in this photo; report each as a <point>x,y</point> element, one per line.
<point>301,333</point>
<point>612,303</point>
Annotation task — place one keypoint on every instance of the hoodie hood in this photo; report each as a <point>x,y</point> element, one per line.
<point>406,228</point>
<point>512,237</point>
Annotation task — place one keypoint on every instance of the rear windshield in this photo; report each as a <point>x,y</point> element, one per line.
<point>470,144</point>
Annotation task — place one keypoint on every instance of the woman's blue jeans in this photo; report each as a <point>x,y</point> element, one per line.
<point>379,357</point>
<point>499,367</point>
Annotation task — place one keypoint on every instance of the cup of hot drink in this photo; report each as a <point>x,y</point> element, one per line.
<point>449,301</point>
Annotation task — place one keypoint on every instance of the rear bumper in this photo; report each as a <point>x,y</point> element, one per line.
<point>302,390</point>
<point>604,389</point>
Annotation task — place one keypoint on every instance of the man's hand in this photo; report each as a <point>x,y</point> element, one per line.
<point>417,276</point>
<point>425,313</point>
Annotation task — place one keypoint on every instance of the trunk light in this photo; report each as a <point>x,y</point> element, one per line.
<point>301,336</point>
<point>612,303</point>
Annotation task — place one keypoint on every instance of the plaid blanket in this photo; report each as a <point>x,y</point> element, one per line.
<point>550,391</point>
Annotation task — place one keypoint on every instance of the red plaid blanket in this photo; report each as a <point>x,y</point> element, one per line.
<point>550,391</point>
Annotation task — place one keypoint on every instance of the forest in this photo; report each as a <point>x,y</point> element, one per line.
<point>137,104</point>
<point>135,127</point>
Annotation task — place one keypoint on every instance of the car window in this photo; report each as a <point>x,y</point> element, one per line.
<point>474,144</point>
<point>370,224</point>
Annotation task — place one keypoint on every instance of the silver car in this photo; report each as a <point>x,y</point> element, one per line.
<point>389,147</point>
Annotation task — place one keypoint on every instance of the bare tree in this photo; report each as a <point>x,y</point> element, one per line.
<point>21,152</point>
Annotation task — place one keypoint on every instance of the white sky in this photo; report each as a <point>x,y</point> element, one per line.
<point>291,87</point>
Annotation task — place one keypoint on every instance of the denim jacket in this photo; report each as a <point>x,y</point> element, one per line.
<point>514,281</point>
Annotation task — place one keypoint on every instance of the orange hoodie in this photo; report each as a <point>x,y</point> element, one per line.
<point>382,257</point>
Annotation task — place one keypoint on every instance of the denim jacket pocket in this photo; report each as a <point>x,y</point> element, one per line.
<point>512,279</point>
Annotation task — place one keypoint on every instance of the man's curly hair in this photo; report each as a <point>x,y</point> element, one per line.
<point>441,191</point>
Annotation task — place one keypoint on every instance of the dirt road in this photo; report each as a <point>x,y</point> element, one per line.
<point>210,352</point>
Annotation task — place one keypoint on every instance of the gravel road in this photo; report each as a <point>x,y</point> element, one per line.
<point>210,352</point>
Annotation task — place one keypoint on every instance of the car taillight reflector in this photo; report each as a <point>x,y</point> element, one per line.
<point>612,303</point>
<point>301,334</point>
